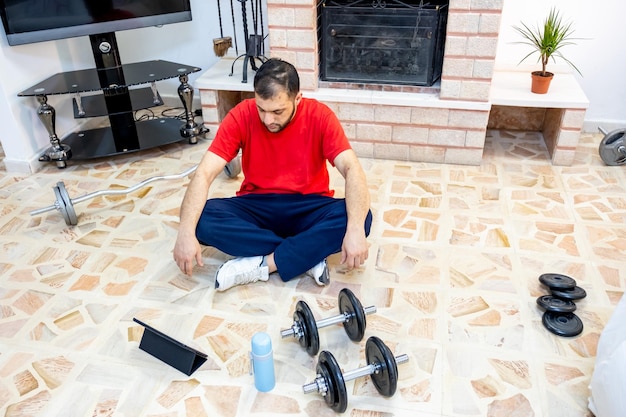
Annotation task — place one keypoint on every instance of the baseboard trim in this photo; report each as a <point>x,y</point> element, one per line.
<point>594,126</point>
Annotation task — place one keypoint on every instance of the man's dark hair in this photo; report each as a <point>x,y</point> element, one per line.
<point>274,76</point>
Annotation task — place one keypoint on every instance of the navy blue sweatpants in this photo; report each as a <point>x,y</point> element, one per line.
<point>301,230</point>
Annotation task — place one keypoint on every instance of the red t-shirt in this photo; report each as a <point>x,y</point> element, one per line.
<point>292,161</point>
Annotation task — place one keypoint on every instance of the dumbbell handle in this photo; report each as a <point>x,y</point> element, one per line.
<point>116,192</point>
<point>370,369</point>
<point>339,318</point>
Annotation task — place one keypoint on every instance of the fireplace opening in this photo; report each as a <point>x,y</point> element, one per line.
<point>382,41</point>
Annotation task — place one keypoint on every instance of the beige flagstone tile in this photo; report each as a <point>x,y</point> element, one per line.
<point>455,256</point>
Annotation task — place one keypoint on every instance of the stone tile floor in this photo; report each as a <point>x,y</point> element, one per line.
<point>455,256</point>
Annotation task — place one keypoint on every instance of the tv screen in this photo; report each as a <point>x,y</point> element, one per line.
<point>29,21</point>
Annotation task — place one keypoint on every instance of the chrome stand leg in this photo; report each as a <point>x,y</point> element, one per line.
<point>190,129</point>
<point>57,152</point>
<point>156,99</point>
<point>79,105</point>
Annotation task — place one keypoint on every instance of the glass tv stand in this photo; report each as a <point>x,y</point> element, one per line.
<point>114,99</point>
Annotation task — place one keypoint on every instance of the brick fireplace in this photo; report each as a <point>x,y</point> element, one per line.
<point>445,123</point>
<point>382,41</point>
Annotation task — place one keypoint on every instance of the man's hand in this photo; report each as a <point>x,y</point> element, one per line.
<point>354,249</point>
<point>186,250</point>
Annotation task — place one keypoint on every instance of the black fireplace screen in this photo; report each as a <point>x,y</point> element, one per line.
<point>382,41</point>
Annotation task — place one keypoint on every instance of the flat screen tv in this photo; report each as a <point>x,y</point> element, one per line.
<point>30,21</point>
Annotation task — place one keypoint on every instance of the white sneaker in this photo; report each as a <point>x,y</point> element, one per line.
<point>240,271</point>
<point>320,273</point>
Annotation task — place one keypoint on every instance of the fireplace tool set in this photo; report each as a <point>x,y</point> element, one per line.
<point>254,42</point>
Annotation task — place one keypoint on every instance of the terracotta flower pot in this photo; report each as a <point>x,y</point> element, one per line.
<point>541,83</point>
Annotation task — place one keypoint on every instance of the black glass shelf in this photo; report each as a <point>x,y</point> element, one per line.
<point>126,75</point>
<point>100,142</point>
<point>114,93</point>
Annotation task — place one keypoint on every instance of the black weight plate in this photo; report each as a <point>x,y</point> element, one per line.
<point>310,339</point>
<point>575,293</point>
<point>379,355</point>
<point>351,306</point>
<point>555,304</point>
<point>336,395</point>
<point>558,281</point>
<point>562,324</point>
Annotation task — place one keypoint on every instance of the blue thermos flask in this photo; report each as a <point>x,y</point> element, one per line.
<point>262,362</point>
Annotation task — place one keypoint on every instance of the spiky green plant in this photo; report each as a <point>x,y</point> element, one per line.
<point>547,40</point>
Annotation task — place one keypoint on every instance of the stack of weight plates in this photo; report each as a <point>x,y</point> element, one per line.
<point>559,317</point>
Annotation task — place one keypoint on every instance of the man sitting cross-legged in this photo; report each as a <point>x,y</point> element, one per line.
<point>284,217</point>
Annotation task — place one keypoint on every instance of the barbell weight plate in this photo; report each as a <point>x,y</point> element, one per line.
<point>611,148</point>
<point>336,395</point>
<point>356,323</point>
<point>233,168</point>
<point>378,354</point>
<point>557,281</point>
<point>555,304</point>
<point>310,339</point>
<point>576,293</point>
<point>69,206</point>
<point>60,204</point>
<point>562,324</point>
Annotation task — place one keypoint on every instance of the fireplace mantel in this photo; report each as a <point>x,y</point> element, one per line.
<point>218,78</point>
<point>379,124</point>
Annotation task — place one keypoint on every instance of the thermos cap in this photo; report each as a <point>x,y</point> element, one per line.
<point>261,344</point>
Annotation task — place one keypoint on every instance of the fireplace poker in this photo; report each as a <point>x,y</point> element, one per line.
<point>232,16</point>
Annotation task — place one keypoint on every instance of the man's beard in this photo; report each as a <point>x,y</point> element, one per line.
<point>281,127</point>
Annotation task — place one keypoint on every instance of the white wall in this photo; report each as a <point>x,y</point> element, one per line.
<point>24,138</point>
<point>601,59</point>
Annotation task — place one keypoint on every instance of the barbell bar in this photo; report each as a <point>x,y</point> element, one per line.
<point>352,316</point>
<point>65,204</point>
<point>331,382</point>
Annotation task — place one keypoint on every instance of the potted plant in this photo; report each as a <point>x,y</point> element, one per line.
<point>547,40</point>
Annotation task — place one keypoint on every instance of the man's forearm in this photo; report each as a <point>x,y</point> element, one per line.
<point>192,205</point>
<point>197,192</point>
<point>357,197</point>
